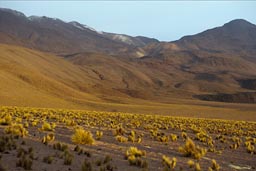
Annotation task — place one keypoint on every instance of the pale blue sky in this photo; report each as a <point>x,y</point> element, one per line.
<point>164,20</point>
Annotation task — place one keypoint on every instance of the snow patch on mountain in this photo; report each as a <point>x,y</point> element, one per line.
<point>34,18</point>
<point>41,18</point>
<point>90,28</point>
<point>83,27</point>
<point>77,25</point>
<point>123,38</point>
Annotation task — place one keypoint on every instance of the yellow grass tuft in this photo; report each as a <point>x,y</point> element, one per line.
<point>82,136</point>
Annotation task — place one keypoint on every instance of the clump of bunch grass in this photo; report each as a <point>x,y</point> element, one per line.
<point>21,152</point>
<point>134,156</point>
<point>119,131</point>
<point>6,120</point>
<point>88,154</point>
<point>191,150</point>
<point>86,166</point>
<point>250,147</point>
<point>99,135</point>
<point>68,158</point>
<point>184,135</point>
<point>215,166</point>
<point>16,130</point>
<point>34,123</point>
<point>48,138</point>
<point>121,138</point>
<point>107,159</point>
<point>197,167</point>
<point>78,150</point>
<point>169,164</point>
<point>193,165</point>
<point>25,162</point>
<point>48,127</point>
<point>174,137</point>
<point>60,147</point>
<point>82,136</point>
<point>104,161</point>
<point>134,151</point>
<point>25,158</point>
<point>7,143</point>
<point>132,136</point>
<point>48,159</point>
<point>163,138</point>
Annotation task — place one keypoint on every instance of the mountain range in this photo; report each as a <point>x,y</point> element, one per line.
<point>47,62</point>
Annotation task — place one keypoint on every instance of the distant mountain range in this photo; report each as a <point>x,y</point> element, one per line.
<point>54,35</point>
<point>77,64</point>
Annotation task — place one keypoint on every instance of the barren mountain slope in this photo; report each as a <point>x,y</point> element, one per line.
<point>219,60</point>
<point>56,36</point>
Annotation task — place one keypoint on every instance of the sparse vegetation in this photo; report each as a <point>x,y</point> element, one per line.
<point>192,137</point>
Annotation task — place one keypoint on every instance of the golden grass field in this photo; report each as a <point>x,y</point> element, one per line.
<point>60,139</point>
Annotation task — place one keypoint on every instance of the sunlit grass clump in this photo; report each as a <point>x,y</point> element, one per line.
<point>169,164</point>
<point>82,136</point>
<point>6,120</point>
<point>16,130</point>
<point>121,138</point>
<point>191,150</point>
<point>214,166</point>
<point>99,135</point>
<point>48,127</point>
<point>48,138</point>
<point>134,156</point>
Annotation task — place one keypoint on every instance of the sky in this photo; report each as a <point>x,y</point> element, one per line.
<point>164,20</point>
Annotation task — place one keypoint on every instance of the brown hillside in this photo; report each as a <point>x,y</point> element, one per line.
<point>74,66</point>
<point>32,78</point>
<point>29,76</point>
